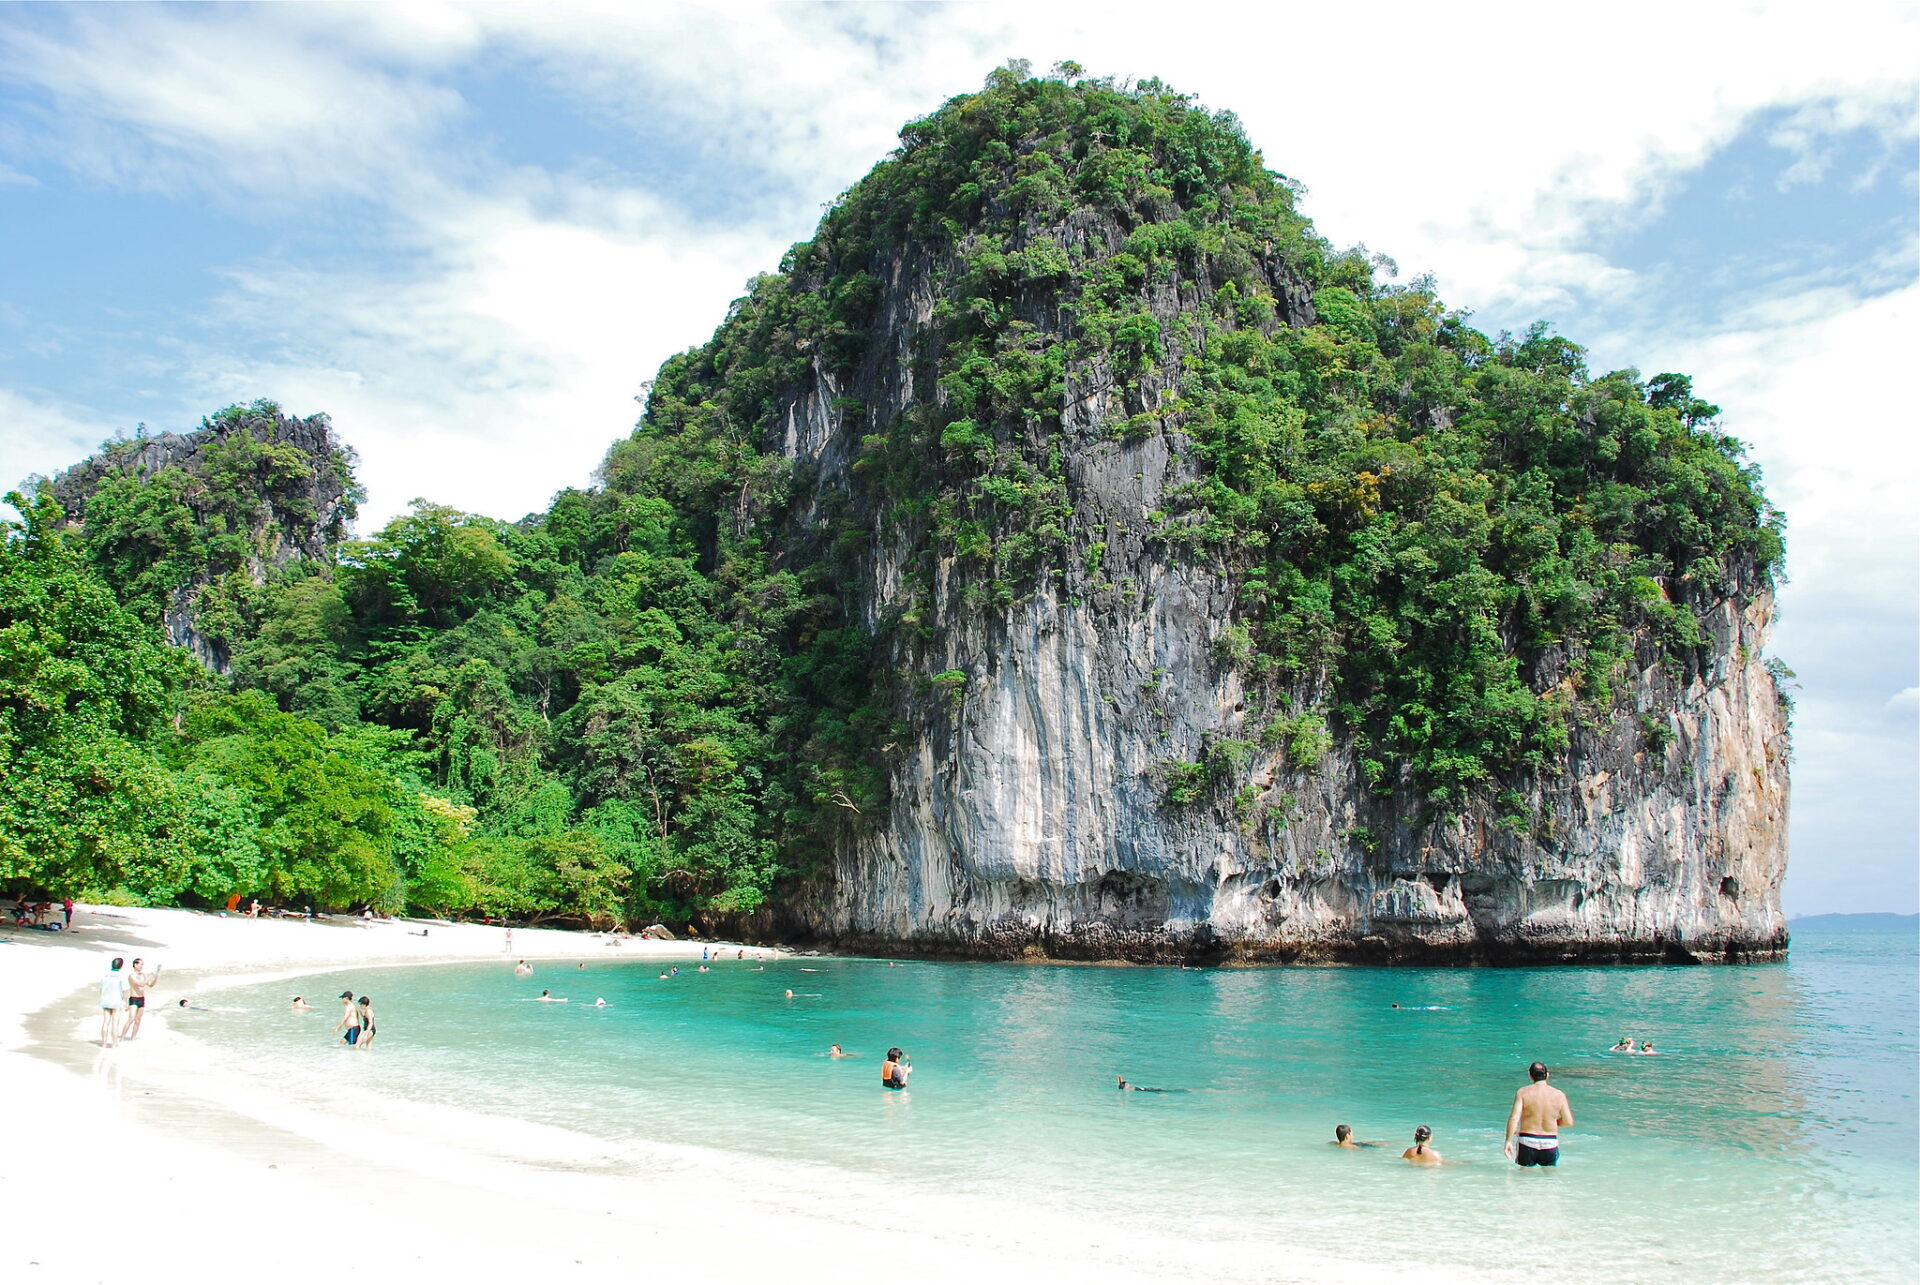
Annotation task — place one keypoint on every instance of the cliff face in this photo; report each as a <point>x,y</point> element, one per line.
<point>1029,812</point>
<point>1226,603</point>
<point>190,521</point>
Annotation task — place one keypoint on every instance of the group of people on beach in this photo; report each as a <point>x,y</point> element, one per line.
<point>1539,1112</point>
<point>123,1000</point>
<point>28,913</point>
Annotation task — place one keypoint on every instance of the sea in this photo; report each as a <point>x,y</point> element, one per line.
<point>1773,1138</point>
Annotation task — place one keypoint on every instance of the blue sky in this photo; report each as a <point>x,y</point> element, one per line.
<point>470,233</point>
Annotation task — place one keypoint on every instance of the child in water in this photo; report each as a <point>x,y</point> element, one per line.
<point>895,1070</point>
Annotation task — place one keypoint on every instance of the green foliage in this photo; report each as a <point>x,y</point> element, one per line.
<point>653,700</point>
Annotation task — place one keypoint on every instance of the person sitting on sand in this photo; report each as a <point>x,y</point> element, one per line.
<point>300,1005</point>
<point>1343,1137</point>
<point>523,969</point>
<point>895,1070</point>
<point>1420,1153</point>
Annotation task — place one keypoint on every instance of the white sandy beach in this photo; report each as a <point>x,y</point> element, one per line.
<point>146,1162</point>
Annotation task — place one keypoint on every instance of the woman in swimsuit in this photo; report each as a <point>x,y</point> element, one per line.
<point>1420,1153</point>
<point>366,1021</point>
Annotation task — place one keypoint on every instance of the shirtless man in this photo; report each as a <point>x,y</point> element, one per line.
<point>137,983</point>
<point>349,1019</point>
<point>1343,1138</point>
<point>1539,1112</point>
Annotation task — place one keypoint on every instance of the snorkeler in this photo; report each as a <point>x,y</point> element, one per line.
<point>1624,1046</point>
<point>1420,1152</point>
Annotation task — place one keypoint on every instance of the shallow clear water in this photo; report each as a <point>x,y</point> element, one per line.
<point>1775,1139</point>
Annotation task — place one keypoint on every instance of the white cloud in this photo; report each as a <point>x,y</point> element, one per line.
<point>1905,703</point>
<point>236,104</point>
<point>501,367</point>
<point>40,436</point>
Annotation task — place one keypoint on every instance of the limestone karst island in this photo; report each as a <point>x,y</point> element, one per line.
<point>1066,553</point>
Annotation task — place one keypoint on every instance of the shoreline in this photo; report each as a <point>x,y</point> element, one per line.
<point>215,1171</point>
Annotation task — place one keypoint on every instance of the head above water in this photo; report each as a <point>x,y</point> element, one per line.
<point>894,1055</point>
<point>1422,1133</point>
<point>1341,1132</point>
<point>1538,1071</point>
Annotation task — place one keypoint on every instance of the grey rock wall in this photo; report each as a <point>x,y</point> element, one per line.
<point>1028,816</point>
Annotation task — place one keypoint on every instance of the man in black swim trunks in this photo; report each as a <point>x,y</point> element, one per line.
<point>137,983</point>
<point>1539,1112</point>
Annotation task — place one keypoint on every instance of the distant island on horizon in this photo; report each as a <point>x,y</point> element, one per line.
<point>1870,922</point>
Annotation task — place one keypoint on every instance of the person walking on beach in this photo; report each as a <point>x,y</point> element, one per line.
<point>1539,1112</point>
<point>349,1019</point>
<point>137,983</point>
<point>113,998</point>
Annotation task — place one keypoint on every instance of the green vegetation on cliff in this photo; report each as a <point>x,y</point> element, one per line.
<point>653,699</point>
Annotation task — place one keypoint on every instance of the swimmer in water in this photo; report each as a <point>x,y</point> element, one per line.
<point>600,1002</point>
<point>523,969</point>
<point>1624,1046</point>
<point>703,968</point>
<point>1124,1087</point>
<point>1647,1049</point>
<point>548,997</point>
<point>1420,1152</point>
<point>1343,1138</point>
<point>301,1006</point>
<point>895,1070</point>
<point>837,1051</point>
<point>789,994</point>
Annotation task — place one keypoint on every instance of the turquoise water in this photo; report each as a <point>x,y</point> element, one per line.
<point>1774,1140</point>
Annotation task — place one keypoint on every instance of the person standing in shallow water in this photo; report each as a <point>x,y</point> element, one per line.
<point>349,1019</point>
<point>113,998</point>
<point>1539,1112</point>
<point>137,983</point>
<point>895,1070</point>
